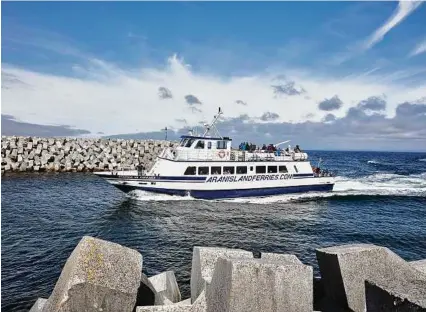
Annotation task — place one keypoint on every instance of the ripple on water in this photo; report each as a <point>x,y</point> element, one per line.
<point>44,217</point>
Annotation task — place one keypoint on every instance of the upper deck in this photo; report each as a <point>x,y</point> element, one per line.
<point>218,148</point>
<point>194,148</point>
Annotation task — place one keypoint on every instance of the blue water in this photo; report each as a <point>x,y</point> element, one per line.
<point>379,198</point>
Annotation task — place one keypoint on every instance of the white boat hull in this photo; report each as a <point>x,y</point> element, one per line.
<point>223,186</point>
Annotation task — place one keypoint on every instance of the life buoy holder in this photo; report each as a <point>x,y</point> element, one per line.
<point>221,154</point>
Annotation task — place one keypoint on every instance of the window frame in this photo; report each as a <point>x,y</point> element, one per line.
<point>201,142</point>
<point>195,170</point>
<point>216,168</point>
<point>244,169</point>
<point>280,170</point>
<point>204,167</point>
<point>221,144</point>
<point>264,168</point>
<point>230,167</point>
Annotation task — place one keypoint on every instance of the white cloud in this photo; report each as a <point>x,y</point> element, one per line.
<point>113,100</point>
<point>404,9</point>
<point>419,49</point>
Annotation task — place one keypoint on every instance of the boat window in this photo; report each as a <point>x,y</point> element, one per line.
<point>203,170</point>
<point>260,169</point>
<point>182,143</point>
<point>282,169</point>
<point>209,145</point>
<point>221,145</point>
<point>272,169</point>
<point>216,170</point>
<point>200,144</point>
<point>228,170</point>
<point>190,171</point>
<point>189,143</point>
<point>241,170</point>
<point>251,168</point>
<point>295,169</point>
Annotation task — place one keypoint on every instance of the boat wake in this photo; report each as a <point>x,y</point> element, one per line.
<point>149,196</point>
<point>378,184</point>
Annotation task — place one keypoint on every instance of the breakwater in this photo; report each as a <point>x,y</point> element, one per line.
<point>104,276</point>
<point>29,154</point>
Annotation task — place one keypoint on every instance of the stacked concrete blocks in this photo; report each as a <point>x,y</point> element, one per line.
<point>29,154</point>
<point>346,269</point>
<point>107,277</point>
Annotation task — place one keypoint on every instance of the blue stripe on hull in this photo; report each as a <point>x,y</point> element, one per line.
<point>218,194</point>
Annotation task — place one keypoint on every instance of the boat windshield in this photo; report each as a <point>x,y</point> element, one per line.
<point>182,143</point>
<point>189,143</point>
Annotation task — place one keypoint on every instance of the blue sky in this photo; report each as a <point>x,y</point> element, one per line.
<point>111,59</point>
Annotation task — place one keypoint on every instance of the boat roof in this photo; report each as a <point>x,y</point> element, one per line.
<point>205,138</point>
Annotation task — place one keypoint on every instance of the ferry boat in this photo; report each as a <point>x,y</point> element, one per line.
<point>207,167</point>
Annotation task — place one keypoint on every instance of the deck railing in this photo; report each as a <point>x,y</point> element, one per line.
<point>225,155</point>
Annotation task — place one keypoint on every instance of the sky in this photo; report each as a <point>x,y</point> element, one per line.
<point>326,75</point>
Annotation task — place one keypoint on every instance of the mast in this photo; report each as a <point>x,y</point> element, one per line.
<point>212,125</point>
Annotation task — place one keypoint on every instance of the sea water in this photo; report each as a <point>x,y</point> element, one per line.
<point>379,198</point>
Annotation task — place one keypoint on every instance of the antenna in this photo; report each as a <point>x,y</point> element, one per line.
<point>165,129</point>
<point>212,125</point>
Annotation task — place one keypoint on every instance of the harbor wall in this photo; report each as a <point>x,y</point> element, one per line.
<point>35,154</point>
<point>104,276</point>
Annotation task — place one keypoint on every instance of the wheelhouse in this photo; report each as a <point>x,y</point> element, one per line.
<point>204,143</point>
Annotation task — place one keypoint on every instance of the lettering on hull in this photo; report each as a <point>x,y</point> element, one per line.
<point>250,178</point>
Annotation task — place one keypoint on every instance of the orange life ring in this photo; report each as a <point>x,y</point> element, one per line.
<point>222,154</point>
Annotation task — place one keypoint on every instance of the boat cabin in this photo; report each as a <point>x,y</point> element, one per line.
<point>204,143</point>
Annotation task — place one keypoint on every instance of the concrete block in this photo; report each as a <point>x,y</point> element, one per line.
<point>166,287</point>
<point>419,265</point>
<point>203,263</point>
<point>146,292</point>
<point>284,258</point>
<point>395,296</point>
<point>200,305</point>
<point>98,275</point>
<point>260,285</point>
<point>165,308</point>
<point>344,270</point>
<point>38,305</point>
<point>184,302</point>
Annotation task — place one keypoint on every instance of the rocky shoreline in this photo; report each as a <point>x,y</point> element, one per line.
<point>105,276</point>
<point>35,154</point>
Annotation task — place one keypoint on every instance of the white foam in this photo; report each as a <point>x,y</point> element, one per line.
<point>149,196</point>
<point>373,162</point>
<point>375,184</point>
<point>423,159</point>
<point>383,184</point>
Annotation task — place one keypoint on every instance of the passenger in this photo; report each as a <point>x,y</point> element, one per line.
<point>264,147</point>
<point>297,149</point>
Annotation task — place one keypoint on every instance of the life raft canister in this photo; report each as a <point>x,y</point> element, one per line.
<point>221,154</point>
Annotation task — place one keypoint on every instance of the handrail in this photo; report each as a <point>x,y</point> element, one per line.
<point>228,156</point>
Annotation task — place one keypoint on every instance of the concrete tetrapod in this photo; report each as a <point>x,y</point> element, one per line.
<point>419,265</point>
<point>260,285</point>
<point>203,263</point>
<point>396,296</point>
<point>344,270</point>
<point>98,276</point>
<point>166,287</point>
<point>184,306</point>
<point>38,305</point>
